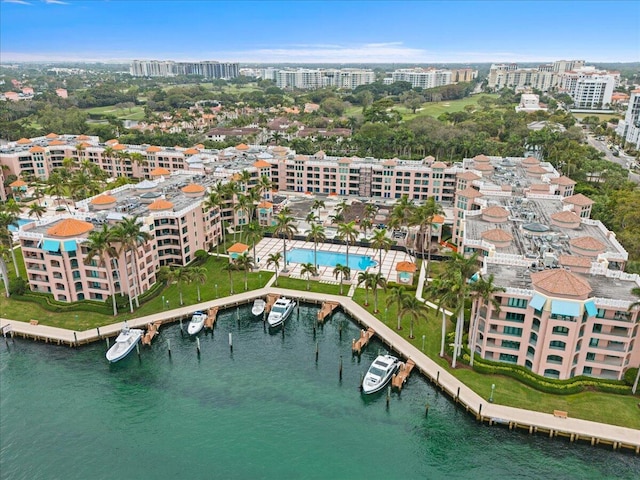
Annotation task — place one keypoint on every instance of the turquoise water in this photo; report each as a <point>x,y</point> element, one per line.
<point>330,259</point>
<point>267,410</point>
<point>20,222</point>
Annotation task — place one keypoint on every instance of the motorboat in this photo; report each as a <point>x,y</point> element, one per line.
<point>125,341</point>
<point>379,373</point>
<point>258,307</point>
<point>280,311</point>
<point>197,323</point>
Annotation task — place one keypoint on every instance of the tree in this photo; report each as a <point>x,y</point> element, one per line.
<point>397,295</point>
<point>309,270</point>
<point>380,242</point>
<point>377,281</point>
<point>348,233</point>
<point>245,262</point>
<point>100,244</point>
<point>128,232</point>
<point>412,100</point>
<point>4,273</point>
<point>423,217</point>
<point>364,278</point>
<point>316,235</point>
<point>274,259</point>
<point>230,268</point>
<point>482,292</point>
<point>7,219</point>
<point>317,205</point>
<point>199,276</point>
<point>285,228</point>
<point>342,271</point>
<point>254,235</point>
<point>416,310</point>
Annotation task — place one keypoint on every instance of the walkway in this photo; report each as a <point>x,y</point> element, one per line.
<point>479,406</point>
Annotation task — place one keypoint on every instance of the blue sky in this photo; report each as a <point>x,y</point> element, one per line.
<point>328,31</point>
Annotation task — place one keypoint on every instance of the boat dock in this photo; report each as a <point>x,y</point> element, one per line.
<point>365,336</point>
<point>326,310</point>
<point>152,331</point>
<point>212,316</point>
<point>271,299</point>
<point>574,429</point>
<point>400,378</point>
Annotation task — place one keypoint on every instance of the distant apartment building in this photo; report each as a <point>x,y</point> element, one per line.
<point>423,77</point>
<point>310,79</point>
<point>565,308</point>
<point>463,75</point>
<point>629,128</point>
<point>530,102</point>
<point>169,68</point>
<point>542,77</point>
<point>590,89</point>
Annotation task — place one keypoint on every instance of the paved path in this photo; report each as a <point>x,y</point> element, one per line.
<point>479,406</point>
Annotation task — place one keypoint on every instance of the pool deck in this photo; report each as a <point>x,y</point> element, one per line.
<point>390,259</point>
<point>534,422</point>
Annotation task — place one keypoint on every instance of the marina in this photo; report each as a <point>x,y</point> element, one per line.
<point>478,407</point>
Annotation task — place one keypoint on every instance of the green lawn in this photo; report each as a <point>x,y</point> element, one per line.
<point>601,116</point>
<point>133,113</point>
<point>298,284</point>
<point>435,109</point>
<point>595,406</point>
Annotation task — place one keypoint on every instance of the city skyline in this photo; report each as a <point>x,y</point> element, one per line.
<point>351,32</point>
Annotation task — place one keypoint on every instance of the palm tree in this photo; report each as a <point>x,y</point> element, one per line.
<point>7,219</point>
<point>245,262</point>
<point>231,191</point>
<point>365,279</point>
<point>254,235</point>
<point>181,275</point>
<point>365,226</point>
<point>56,186</point>
<point>230,268</point>
<point>316,235</point>
<point>274,259</point>
<point>380,242</point>
<point>309,270</point>
<point>342,207</point>
<point>401,212</point>
<point>415,309</point>
<point>4,273</point>
<point>423,217</point>
<point>482,292</point>
<point>129,233</point>
<point>285,229</point>
<point>377,281</point>
<point>397,295</point>
<point>100,244</point>
<point>264,185</point>
<point>348,233</point>
<point>311,218</point>
<point>199,276</point>
<point>244,206</point>
<point>37,210</point>
<point>343,271</point>
<point>370,211</point>
<point>317,205</point>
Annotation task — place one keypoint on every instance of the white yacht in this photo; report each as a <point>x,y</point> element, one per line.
<point>125,341</point>
<point>258,307</point>
<point>196,323</point>
<point>379,373</point>
<point>280,311</point>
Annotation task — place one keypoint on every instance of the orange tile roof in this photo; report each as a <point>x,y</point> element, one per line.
<point>265,204</point>
<point>70,227</point>
<point>484,167</point>
<point>559,281</point>
<point>238,248</point>
<point>439,165</point>
<point>56,142</point>
<point>389,163</point>
<point>587,243</point>
<point>23,141</point>
<point>469,193</point>
<point>119,147</point>
<point>242,146</point>
<point>161,204</point>
<point>262,164</point>
<point>156,172</point>
<point>536,169</point>
<point>565,217</point>
<point>193,188</point>
<point>481,158</point>
<point>153,149</point>
<point>279,149</point>
<point>531,161</point>
<point>103,200</point>
<point>200,146</point>
<point>495,211</point>
<point>113,141</point>
<point>51,135</point>
<point>18,183</point>
<point>85,145</point>
<point>574,261</point>
<point>36,149</point>
<point>438,219</point>
<point>191,151</point>
<point>578,199</point>
<point>82,137</point>
<point>563,180</point>
<point>468,176</point>
<point>406,267</point>
<point>236,177</point>
<point>497,235</point>
<point>539,187</point>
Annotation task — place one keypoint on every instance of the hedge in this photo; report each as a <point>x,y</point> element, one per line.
<point>548,385</point>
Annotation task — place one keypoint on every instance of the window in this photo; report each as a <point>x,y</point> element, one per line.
<point>557,345</point>
<point>505,357</point>
<point>593,342</point>
<point>591,356</point>
<point>586,371</point>
<point>515,317</point>
<point>561,330</point>
<point>536,324</point>
<point>517,302</point>
<point>515,331</point>
<point>597,327</point>
<point>510,344</point>
<point>601,312</point>
<point>554,359</point>
<point>551,373</point>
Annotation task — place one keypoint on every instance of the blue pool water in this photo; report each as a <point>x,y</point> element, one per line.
<point>20,222</point>
<point>330,259</point>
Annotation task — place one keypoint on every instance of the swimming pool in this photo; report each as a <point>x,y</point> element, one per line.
<point>330,259</point>
<point>20,222</point>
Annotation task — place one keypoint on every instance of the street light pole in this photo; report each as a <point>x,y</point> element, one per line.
<point>216,285</point>
<point>493,388</point>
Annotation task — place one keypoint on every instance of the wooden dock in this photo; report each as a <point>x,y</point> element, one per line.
<point>212,316</point>
<point>365,336</point>
<point>400,378</point>
<point>326,310</point>
<point>271,299</point>
<point>152,330</point>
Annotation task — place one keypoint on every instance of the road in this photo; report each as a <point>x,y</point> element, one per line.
<point>623,160</point>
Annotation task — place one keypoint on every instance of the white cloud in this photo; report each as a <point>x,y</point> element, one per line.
<point>55,2</point>
<point>19,2</point>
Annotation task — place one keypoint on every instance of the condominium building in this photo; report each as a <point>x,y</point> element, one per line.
<point>542,77</point>
<point>564,311</point>
<point>589,88</point>
<point>169,68</point>
<point>309,79</point>
<point>423,77</point>
<point>629,128</point>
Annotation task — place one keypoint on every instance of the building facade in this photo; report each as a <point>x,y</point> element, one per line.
<point>629,128</point>
<point>169,68</point>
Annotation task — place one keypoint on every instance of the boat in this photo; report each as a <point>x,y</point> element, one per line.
<point>280,311</point>
<point>258,307</point>
<point>196,323</point>
<point>379,373</point>
<point>125,341</point>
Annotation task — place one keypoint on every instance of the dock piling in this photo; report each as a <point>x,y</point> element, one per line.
<point>231,342</point>
<point>340,330</point>
<point>107,339</point>
<point>340,369</point>
<point>426,410</point>
<point>181,331</point>
<point>316,352</point>
<point>138,350</point>
<point>458,395</point>
<point>169,346</point>
<point>361,380</point>
<point>75,337</point>
<point>198,345</point>
<point>98,330</point>
<point>388,396</point>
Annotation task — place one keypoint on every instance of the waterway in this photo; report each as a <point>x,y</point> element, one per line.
<point>265,410</point>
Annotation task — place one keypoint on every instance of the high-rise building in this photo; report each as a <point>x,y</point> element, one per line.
<point>169,68</point>
<point>423,77</point>
<point>629,128</point>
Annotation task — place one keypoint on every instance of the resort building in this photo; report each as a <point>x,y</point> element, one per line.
<point>564,311</point>
<point>629,128</point>
<point>422,77</point>
<point>309,79</point>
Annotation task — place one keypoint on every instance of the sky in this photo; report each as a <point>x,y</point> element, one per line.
<point>330,31</point>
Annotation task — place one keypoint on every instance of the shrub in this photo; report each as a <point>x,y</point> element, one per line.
<point>17,286</point>
<point>630,376</point>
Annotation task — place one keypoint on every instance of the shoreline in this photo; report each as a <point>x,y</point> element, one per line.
<point>535,422</point>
